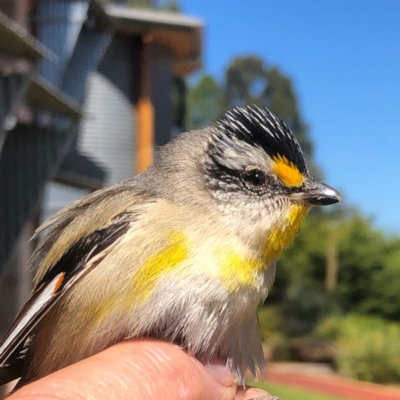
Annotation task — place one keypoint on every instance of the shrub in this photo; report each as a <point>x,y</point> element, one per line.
<point>369,347</point>
<point>269,322</point>
<point>276,344</point>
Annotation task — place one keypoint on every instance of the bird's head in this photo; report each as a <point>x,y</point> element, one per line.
<point>255,170</point>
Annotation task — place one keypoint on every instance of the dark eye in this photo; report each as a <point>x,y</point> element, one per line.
<point>255,177</point>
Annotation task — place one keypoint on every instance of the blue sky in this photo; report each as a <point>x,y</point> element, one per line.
<point>344,59</point>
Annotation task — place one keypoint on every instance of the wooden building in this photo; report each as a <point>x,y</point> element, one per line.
<point>85,94</point>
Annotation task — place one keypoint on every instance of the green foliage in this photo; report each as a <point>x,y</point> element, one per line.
<point>368,273</point>
<point>170,6</point>
<point>290,393</point>
<point>166,5</point>
<point>132,3</point>
<point>304,261</point>
<point>299,287</point>
<point>331,328</point>
<point>303,307</point>
<point>369,276</point>
<point>384,294</point>
<point>279,347</point>
<point>271,326</point>
<point>245,82</point>
<point>269,321</point>
<point>248,80</point>
<point>370,347</point>
<point>203,103</point>
<point>141,3</point>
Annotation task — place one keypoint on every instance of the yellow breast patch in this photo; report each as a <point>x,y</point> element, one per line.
<point>236,270</point>
<point>158,265</point>
<point>285,231</point>
<point>286,171</point>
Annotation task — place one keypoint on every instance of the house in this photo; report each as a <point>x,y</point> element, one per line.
<point>86,92</point>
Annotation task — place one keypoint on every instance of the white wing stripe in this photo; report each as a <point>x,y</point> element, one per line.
<point>36,307</point>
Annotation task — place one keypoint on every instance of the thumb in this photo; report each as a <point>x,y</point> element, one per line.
<point>134,369</point>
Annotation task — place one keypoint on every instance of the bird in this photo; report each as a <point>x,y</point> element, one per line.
<point>184,252</point>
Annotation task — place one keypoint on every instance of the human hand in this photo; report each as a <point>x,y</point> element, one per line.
<point>138,369</point>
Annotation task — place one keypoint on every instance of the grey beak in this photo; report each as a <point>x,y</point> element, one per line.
<point>318,194</point>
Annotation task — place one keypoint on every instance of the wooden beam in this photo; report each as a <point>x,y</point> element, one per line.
<point>144,111</point>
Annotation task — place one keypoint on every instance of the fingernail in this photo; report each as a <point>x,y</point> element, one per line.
<point>254,393</point>
<point>221,374</point>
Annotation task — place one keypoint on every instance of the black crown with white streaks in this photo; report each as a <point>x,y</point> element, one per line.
<point>260,127</point>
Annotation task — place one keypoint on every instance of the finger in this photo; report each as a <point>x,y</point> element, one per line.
<point>134,369</point>
<point>251,393</point>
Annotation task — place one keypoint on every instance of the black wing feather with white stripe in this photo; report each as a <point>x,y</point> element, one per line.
<point>79,260</point>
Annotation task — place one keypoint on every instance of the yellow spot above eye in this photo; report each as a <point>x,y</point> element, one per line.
<point>286,171</point>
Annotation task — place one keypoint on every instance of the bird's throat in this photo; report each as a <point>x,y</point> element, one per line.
<point>284,231</point>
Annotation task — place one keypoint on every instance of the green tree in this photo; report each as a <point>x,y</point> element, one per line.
<point>132,3</point>
<point>249,80</point>
<point>170,6</point>
<point>368,274</point>
<point>203,103</point>
<point>166,5</point>
<point>385,294</point>
<point>141,3</point>
<point>245,82</point>
<point>299,288</point>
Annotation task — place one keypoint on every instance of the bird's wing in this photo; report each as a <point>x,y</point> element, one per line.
<point>73,258</point>
<point>15,364</point>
